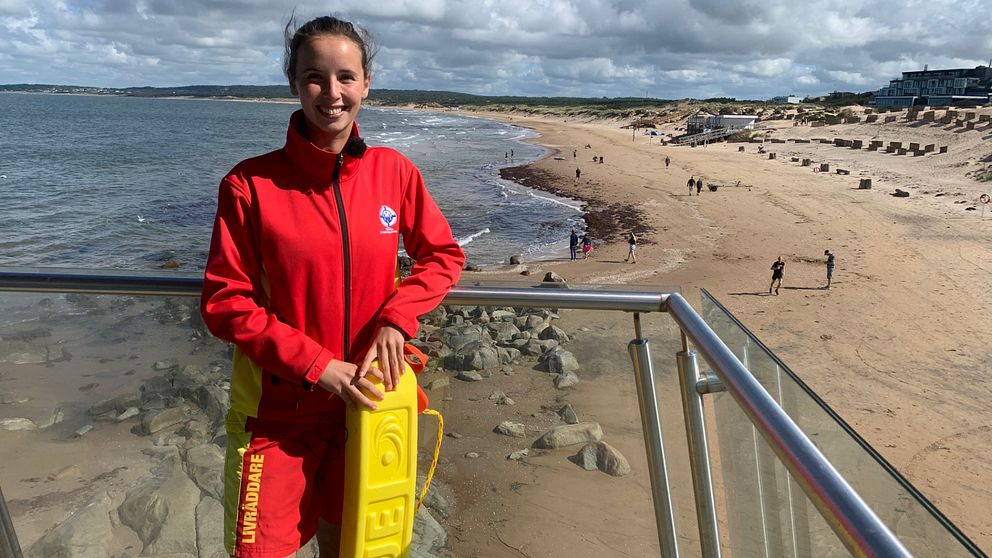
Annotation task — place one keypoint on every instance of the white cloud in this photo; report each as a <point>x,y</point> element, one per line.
<point>674,49</point>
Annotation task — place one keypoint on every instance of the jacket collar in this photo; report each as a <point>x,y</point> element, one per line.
<point>316,164</point>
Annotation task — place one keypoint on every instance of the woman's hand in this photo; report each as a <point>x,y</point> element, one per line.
<point>341,378</point>
<point>387,346</point>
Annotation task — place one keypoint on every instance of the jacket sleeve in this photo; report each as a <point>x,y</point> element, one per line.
<point>232,301</point>
<point>438,259</point>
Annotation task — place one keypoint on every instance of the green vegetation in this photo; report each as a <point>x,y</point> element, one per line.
<point>641,112</point>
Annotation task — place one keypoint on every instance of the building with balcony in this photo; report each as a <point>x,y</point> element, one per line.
<point>701,122</point>
<point>961,86</point>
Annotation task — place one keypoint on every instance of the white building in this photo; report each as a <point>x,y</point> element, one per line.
<point>702,122</point>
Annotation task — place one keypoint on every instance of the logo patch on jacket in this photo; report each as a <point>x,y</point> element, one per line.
<point>388,219</point>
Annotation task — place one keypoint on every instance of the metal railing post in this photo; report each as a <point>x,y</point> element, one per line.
<point>9,548</point>
<point>699,457</point>
<point>647,399</point>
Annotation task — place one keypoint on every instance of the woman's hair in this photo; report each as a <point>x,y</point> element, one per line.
<point>321,27</point>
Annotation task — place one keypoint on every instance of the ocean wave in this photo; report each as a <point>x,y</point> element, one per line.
<point>468,239</point>
<point>577,207</point>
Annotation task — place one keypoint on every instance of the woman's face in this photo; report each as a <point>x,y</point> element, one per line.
<point>331,85</point>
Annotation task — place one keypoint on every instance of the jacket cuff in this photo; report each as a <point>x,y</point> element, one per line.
<point>406,326</point>
<point>317,367</point>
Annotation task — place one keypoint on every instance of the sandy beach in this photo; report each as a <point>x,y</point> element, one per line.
<point>898,346</point>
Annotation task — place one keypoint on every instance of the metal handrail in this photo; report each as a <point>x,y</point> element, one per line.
<point>855,523</point>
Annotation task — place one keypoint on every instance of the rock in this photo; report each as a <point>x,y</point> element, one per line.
<point>900,193</point>
<point>162,511</point>
<point>518,455</point>
<point>516,259</point>
<point>611,461</point>
<point>117,404</point>
<point>428,534</point>
<point>474,356</point>
<point>535,322</point>
<point>567,414</point>
<point>154,421</point>
<point>87,533</point>
<point>434,499</point>
<point>566,380</point>
<point>552,277</point>
<point>504,316</point>
<point>79,433</point>
<point>205,465</point>
<point>472,455</point>
<point>167,364</point>
<point>561,362</point>
<point>214,401</point>
<point>586,458</point>
<point>553,332</point>
<point>502,332</point>
<point>506,355</point>
<point>472,267</point>
<point>128,413</point>
<point>210,528</point>
<point>13,424</point>
<point>569,435</point>
<point>469,376</point>
<point>439,383</point>
<point>501,398</point>
<point>512,429</point>
<point>602,456</point>
<point>455,435</point>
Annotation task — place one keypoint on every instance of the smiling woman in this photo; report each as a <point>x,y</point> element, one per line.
<point>301,279</point>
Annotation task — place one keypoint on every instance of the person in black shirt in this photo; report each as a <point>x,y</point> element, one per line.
<point>778,267</point>
<point>830,267</point>
<point>573,245</point>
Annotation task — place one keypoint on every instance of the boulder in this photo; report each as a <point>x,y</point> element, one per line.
<point>87,533</point>
<point>561,362</point>
<point>569,435</point>
<point>162,511</point>
<point>510,428</point>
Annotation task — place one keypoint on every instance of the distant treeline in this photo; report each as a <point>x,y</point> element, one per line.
<point>413,96</point>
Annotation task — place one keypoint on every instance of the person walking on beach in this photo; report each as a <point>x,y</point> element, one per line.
<point>699,185</point>
<point>778,269</point>
<point>830,267</point>
<point>578,174</point>
<point>692,185</point>
<point>631,247</point>
<point>668,161</point>
<point>586,246</point>
<point>573,245</point>
<point>575,154</point>
<point>300,278</point>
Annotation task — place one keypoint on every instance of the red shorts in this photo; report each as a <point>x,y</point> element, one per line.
<point>279,479</point>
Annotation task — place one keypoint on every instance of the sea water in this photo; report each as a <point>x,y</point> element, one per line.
<point>129,183</point>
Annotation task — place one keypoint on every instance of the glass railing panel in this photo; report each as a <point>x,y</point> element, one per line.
<point>511,497</point>
<point>105,400</point>
<point>97,394</point>
<point>922,529</point>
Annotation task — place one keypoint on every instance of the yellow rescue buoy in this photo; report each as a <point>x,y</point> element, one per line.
<point>380,471</point>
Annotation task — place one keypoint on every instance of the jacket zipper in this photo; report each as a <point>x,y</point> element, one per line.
<point>336,184</point>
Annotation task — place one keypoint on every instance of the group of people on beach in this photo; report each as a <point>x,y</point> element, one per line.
<point>778,271</point>
<point>574,242</point>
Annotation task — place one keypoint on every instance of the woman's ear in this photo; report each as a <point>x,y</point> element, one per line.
<point>293,89</point>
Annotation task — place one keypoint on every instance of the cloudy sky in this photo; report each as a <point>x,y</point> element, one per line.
<point>749,49</point>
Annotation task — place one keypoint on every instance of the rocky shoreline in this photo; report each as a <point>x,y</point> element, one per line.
<point>606,221</point>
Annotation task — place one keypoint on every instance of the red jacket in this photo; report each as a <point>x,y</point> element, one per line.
<point>303,261</point>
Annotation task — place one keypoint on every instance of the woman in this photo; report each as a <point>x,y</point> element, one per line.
<point>631,246</point>
<point>586,246</point>
<point>301,278</point>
